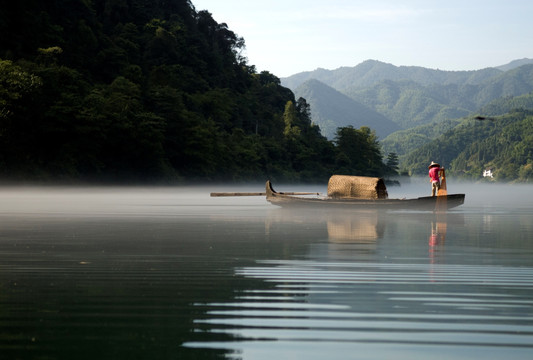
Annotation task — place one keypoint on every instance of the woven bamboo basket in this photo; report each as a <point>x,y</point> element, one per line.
<point>356,187</point>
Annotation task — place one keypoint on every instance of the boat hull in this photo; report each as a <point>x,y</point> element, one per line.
<point>431,203</point>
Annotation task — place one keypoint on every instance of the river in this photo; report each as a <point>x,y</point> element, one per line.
<point>171,273</point>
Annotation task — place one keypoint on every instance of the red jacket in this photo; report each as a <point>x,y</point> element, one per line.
<point>434,173</point>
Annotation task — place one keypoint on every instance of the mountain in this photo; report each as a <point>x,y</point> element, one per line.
<point>514,82</point>
<point>507,104</point>
<point>404,141</point>
<point>514,64</point>
<point>413,96</point>
<point>502,144</point>
<point>436,108</point>
<point>331,109</point>
<point>410,104</point>
<point>143,91</point>
<point>372,72</point>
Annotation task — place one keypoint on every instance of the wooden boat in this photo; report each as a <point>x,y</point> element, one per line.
<point>431,203</point>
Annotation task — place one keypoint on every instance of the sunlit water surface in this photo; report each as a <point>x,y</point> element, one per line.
<point>171,273</point>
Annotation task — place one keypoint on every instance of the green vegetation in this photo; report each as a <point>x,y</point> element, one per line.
<point>144,91</point>
<point>437,109</point>
<point>150,91</point>
<point>503,144</point>
<point>332,109</point>
<point>404,141</point>
<point>411,96</point>
<point>359,152</point>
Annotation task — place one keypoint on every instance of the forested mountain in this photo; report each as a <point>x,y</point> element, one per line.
<point>410,104</point>
<point>412,96</point>
<point>431,106</point>
<point>503,144</point>
<point>437,111</point>
<point>507,104</point>
<point>514,64</point>
<point>372,72</point>
<point>138,90</point>
<point>467,146</point>
<point>404,141</point>
<point>331,109</point>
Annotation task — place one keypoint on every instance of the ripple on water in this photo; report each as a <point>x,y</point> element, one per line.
<point>311,307</point>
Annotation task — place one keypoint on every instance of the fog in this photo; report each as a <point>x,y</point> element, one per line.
<point>195,200</point>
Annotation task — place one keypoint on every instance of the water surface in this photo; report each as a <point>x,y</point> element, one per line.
<point>148,273</point>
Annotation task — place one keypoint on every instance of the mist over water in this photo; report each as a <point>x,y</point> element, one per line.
<point>169,272</point>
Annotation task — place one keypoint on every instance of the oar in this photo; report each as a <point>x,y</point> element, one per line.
<point>213,194</point>
<point>216,194</point>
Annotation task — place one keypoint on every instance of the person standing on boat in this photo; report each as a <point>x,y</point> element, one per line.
<point>435,172</point>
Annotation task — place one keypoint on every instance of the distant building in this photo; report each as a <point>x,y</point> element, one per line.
<point>488,173</point>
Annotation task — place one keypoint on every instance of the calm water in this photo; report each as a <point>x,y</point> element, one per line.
<point>170,273</point>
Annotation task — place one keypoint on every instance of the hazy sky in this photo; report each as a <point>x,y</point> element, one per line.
<point>290,36</point>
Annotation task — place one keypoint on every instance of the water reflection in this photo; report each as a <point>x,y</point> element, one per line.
<point>361,227</point>
<point>167,274</point>
<point>393,301</point>
<point>438,233</point>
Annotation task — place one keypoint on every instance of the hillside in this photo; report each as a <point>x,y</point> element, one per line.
<point>152,91</point>
<point>143,91</point>
<point>414,96</point>
<point>410,104</point>
<point>507,104</point>
<point>372,72</point>
<point>468,145</point>
<point>502,144</point>
<point>514,64</point>
<point>331,109</point>
<point>404,141</point>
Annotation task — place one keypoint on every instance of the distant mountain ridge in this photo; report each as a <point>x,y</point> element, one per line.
<point>371,72</point>
<point>331,109</point>
<point>408,96</point>
<point>514,64</point>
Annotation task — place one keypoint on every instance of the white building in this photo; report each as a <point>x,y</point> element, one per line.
<point>488,173</point>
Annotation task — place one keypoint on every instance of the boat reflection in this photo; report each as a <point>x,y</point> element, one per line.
<point>355,228</point>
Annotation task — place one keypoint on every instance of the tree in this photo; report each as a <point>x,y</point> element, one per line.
<point>358,152</point>
<point>290,118</point>
<point>150,90</point>
<point>392,163</point>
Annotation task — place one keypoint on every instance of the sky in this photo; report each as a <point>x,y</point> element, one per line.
<point>286,37</point>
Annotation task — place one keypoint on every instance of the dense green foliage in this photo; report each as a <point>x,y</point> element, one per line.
<point>503,144</point>
<point>404,141</point>
<point>359,152</point>
<point>101,90</point>
<point>410,104</point>
<point>507,104</point>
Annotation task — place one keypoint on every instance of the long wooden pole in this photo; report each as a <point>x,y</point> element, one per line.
<point>217,194</point>
<point>214,194</point>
